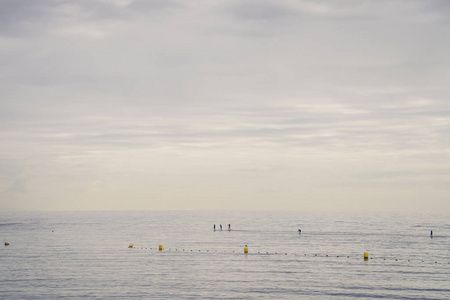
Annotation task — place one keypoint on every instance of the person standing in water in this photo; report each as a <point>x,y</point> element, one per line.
<point>229,227</point>
<point>220,227</point>
<point>214,227</point>
<point>431,233</point>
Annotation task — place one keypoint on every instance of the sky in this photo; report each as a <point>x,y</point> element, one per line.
<point>300,105</point>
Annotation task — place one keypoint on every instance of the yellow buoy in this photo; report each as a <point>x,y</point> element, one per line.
<point>366,255</point>
<point>160,247</point>
<point>245,249</point>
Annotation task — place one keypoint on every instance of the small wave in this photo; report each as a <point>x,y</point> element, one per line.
<point>261,230</point>
<point>10,224</point>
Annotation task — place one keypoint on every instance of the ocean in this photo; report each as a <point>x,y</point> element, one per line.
<point>85,255</point>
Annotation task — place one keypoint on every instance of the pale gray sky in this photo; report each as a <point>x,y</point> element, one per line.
<point>268,104</point>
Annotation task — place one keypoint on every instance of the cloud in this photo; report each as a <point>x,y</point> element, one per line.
<point>154,96</point>
<point>144,6</point>
<point>23,18</point>
<point>259,10</point>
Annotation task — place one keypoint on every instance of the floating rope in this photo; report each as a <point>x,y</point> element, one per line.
<point>365,256</point>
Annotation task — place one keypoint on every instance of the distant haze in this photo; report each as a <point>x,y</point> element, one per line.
<point>233,105</point>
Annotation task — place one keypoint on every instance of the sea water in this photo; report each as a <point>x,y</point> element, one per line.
<point>73,255</point>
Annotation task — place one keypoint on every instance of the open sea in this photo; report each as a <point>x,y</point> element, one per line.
<point>85,255</point>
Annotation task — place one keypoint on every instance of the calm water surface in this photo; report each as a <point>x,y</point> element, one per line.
<point>62,255</point>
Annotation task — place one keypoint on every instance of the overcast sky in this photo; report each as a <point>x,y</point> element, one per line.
<point>252,105</point>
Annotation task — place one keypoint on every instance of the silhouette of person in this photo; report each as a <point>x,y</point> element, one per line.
<point>299,231</point>
<point>431,234</point>
<point>229,227</point>
<point>220,227</point>
<point>214,227</point>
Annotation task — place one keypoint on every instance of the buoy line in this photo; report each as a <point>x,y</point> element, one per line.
<point>365,256</point>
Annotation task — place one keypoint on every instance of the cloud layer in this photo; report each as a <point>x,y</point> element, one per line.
<point>224,105</point>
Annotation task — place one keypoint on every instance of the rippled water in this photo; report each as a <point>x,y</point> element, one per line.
<point>86,255</point>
